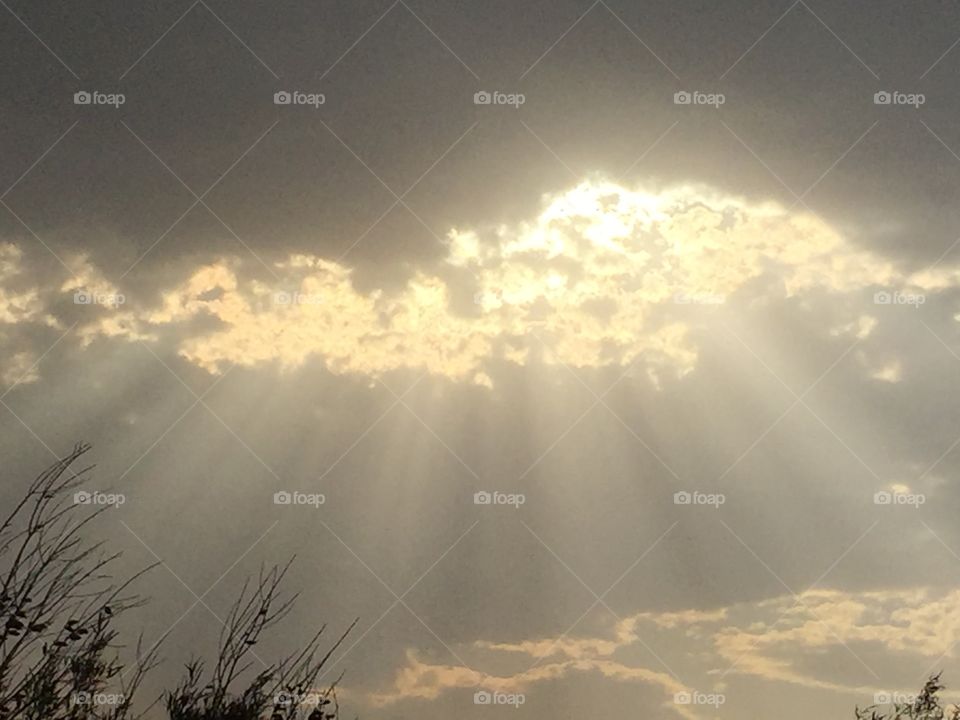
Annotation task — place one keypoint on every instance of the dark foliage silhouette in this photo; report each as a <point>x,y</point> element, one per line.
<point>283,691</point>
<point>60,652</point>
<point>58,605</point>
<point>925,706</point>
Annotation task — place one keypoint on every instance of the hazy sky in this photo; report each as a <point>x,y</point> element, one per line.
<point>585,256</point>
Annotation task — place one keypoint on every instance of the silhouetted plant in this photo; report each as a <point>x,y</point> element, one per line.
<point>282,691</point>
<point>58,647</point>
<point>925,706</point>
<point>58,602</point>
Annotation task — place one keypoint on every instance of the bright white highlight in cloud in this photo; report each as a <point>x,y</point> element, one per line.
<point>603,276</point>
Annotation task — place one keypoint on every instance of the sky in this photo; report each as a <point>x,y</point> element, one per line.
<point>601,357</point>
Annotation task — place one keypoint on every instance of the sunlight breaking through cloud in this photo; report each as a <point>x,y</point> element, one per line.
<point>603,276</point>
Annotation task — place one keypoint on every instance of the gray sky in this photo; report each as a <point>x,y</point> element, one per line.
<point>593,298</point>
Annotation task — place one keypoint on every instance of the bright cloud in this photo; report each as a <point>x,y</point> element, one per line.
<point>600,277</point>
<point>768,639</point>
<point>418,680</point>
<point>19,301</point>
<point>603,276</point>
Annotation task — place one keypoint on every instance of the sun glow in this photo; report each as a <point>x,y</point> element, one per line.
<point>602,276</point>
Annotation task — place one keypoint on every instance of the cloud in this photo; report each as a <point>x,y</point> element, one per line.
<point>768,639</point>
<point>19,298</point>
<point>423,681</point>
<point>603,276</point>
<point>889,372</point>
<point>19,369</point>
<point>916,621</point>
<point>22,306</point>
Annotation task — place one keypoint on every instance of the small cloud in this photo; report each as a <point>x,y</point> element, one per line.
<point>890,372</point>
<point>481,378</point>
<point>19,369</point>
<point>859,328</point>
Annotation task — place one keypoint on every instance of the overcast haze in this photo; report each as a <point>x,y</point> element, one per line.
<point>675,283</point>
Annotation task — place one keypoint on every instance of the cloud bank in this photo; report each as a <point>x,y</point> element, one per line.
<point>603,276</point>
<point>782,639</point>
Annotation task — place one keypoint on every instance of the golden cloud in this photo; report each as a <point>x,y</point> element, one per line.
<point>21,304</point>
<point>603,276</point>
<point>767,639</point>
